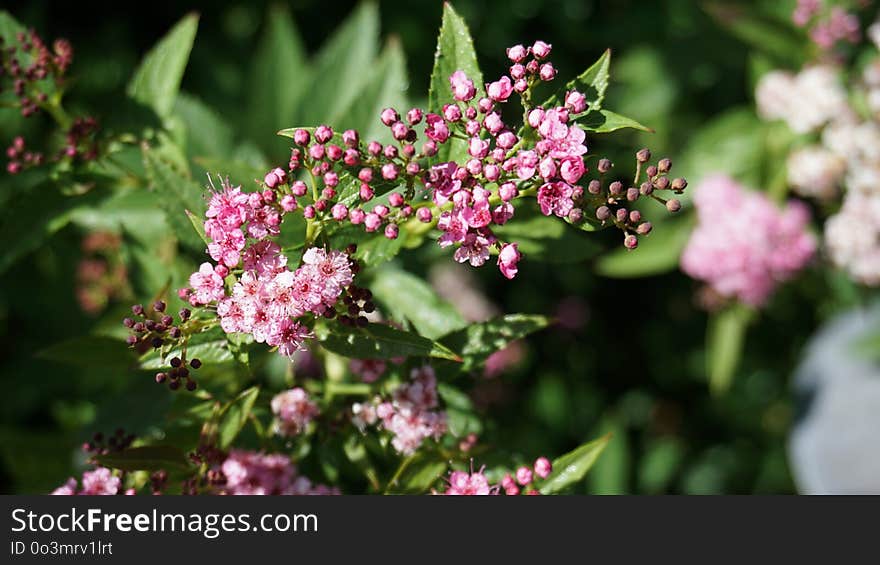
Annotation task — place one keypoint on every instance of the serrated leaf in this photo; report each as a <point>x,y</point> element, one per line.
<point>408,298</point>
<point>279,77</point>
<point>455,52</point>
<point>235,415</point>
<point>179,197</point>
<point>725,339</point>
<point>657,253</point>
<point>210,346</point>
<point>477,341</point>
<point>571,467</point>
<point>380,341</point>
<point>157,79</point>
<point>145,458</point>
<point>342,65</point>
<point>386,88</point>
<point>606,121</point>
<point>592,83</point>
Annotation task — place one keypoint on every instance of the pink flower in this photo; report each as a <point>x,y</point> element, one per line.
<point>493,123</point>
<point>264,257</point>
<point>527,164</point>
<point>207,285</point>
<point>462,483</point>
<point>474,249</point>
<point>508,259</point>
<point>454,225</point>
<point>225,246</point>
<point>462,87</point>
<point>575,101</point>
<point>293,411</point>
<point>555,198</point>
<point>558,139</point>
<point>436,128</point>
<point>441,180</point>
<point>543,467</point>
<point>275,177</point>
<point>743,245</point>
<point>99,481</point>
<point>369,370</point>
<point>289,337</point>
<point>253,473</point>
<point>571,169</point>
<point>500,90</point>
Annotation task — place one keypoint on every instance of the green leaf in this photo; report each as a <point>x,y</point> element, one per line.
<point>198,224</point>
<point>409,298</point>
<point>592,83</point>
<point>210,346</point>
<point>416,475</point>
<point>32,216</point>
<point>279,77</point>
<point>157,79</point>
<point>657,253</point>
<point>373,248</point>
<point>725,339</point>
<point>178,194</point>
<point>606,121</point>
<point>386,88</point>
<point>206,132</point>
<point>547,239</point>
<point>90,351</point>
<point>343,65</point>
<point>380,341</point>
<point>235,415</point>
<point>571,467</point>
<point>478,341</point>
<point>9,27</point>
<point>145,458</point>
<point>455,51</point>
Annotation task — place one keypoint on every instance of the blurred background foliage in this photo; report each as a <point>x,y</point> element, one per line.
<point>630,357</point>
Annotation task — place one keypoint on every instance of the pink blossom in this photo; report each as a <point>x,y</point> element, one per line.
<point>462,87</point>
<point>743,245</point>
<point>474,249</point>
<point>289,337</point>
<point>454,225</point>
<point>99,481</point>
<point>253,473</point>
<point>508,258</point>
<point>543,467</point>
<point>527,164</point>
<point>207,285</point>
<point>500,90</point>
<point>369,370</point>
<point>571,169</point>
<point>462,483</point>
<point>436,128</point>
<point>441,180</point>
<point>264,257</point>
<point>293,411</point>
<point>555,198</point>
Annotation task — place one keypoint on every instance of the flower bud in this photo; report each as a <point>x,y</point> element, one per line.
<point>632,194</point>
<point>424,215</point>
<point>339,212</point>
<point>389,116</point>
<point>543,467</point>
<point>350,137</point>
<point>604,165</point>
<point>664,165</point>
<point>644,228</point>
<point>631,241</point>
<point>414,116</point>
<point>603,213</point>
<point>517,53</point>
<point>679,184</point>
<point>301,137</point>
<point>391,231</point>
<point>594,187</point>
<point>541,50</point>
<point>547,72</point>
<point>643,156</point>
<point>299,188</point>
<point>323,134</point>
<point>673,205</point>
<point>524,475</point>
<point>615,188</point>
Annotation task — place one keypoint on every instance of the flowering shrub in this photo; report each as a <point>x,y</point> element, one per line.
<point>370,398</point>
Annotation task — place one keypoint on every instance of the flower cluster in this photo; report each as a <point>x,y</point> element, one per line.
<point>101,275</point>
<point>253,473</point>
<point>842,155</point>
<point>827,24</point>
<point>542,159</point>
<point>475,483</point>
<point>100,481</point>
<point>26,62</point>
<point>410,414</point>
<point>743,245</point>
<point>293,411</point>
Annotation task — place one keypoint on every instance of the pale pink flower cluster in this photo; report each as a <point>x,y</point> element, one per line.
<point>100,481</point>
<point>411,414</point>
<point>253,473</point>
<point>815,172</point>
<point>474,483</point>
<point>293,411</point>
<point>369,370</point>
<point>853,237</point>
<point>743,245</point>
<point>829,28</point>
<point>268,297</point>
<point>805,101</point>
